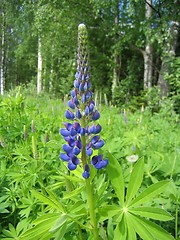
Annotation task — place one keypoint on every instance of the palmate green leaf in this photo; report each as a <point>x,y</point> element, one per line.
<point>51,201</point>
<point>11,232</point>
<point>156,231</point>
<point>135,180</point>
<point>149,193</point>
<point>115,175</point>
<point>151,212</point>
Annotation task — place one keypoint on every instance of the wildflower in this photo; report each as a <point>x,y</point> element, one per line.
<point>81,134</point>
<point>25,132</point>
<point>32,126</point>
<point>2,142</point>
<point>132,158</point>
<point>125,117</point>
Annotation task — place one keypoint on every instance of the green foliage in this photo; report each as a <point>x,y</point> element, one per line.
<point>129,217</point>
<point>40,199</point>
<point>173,78</point>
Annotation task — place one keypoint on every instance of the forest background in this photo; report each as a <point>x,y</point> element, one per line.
<point>134,46</point>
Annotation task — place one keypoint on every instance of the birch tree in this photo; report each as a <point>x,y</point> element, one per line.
<point>39,73</point>
<point>148,52</point>
<point>169,48</point>
<point>2,76</point>
<point>116,54</point>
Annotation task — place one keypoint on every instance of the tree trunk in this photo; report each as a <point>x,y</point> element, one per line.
<point>116,54</point>
<point>2,77</point>
<point>148,52</point>
<point>39,75</point>
<point>169,53</point>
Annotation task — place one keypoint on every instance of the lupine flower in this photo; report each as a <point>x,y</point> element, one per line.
<point>32,126</point>
<point>34,148</point>
<point>25,133</point>
<point>81,133</point>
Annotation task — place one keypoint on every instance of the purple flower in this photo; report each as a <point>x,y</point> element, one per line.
<point>87,111</point>
<point>64,132</point>
<point>64,157</point>
<point>69,115</point>
<point>71,165</point>
<point>86,173</point>
<point>96,115</point>
<point>71,104</point>
<point>89,151</point>
<point>67,148</point>
<point>78,114</point>
<point>78,134</point>
<point>98,162</point>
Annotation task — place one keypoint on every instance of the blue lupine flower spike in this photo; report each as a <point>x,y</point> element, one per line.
<point>81,134</point>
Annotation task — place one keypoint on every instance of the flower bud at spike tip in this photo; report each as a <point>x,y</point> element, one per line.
<point>81,136</point>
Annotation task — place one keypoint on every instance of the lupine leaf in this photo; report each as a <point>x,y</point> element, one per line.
<point>135,180</point>
<point>110,230</point>
<point>121,230</point>
<point>150,193</point>
<point>131,233</point>
<point>116,177</point>
<point>153,228</point>
<point>140,228</point>
<point>60,233</point>
<point>46,216</point>
<point>109,211</point>
<point>42,228</point>
<point>49,201</point>
<point>59,223</point>
<point>151,212</point>
<point>73,193</point>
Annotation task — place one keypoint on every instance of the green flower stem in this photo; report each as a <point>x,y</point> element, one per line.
<point>80,233</point>
<point>89,188</point>
<point>176,222</point>
<point>92,213</point>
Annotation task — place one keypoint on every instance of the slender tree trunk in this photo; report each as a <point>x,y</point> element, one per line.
<point>39,75</point>
<point>2,77</point>
<point>169,50</point>
<point>116,54</point>
<point>148,70</point>
<point>148,52</point>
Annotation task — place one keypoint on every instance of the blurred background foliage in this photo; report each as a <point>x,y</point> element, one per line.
<point>119,34</point>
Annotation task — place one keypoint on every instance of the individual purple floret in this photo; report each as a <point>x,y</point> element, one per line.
<point>86,173</point>
<point>81,133</point>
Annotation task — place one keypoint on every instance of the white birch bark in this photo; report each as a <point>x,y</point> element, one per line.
<point>148,69</point>
<point>116,55</point>
<point>148,52</point>
<point>169,51</point>
<point>2,77</point>
<point>39,74</point>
